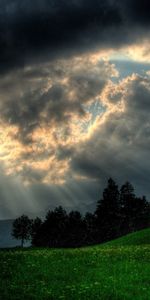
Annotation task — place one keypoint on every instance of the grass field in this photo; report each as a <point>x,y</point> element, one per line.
<point>117,270</point>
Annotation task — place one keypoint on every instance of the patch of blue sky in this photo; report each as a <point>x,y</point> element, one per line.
<point>128,67</point>
<point>96,109</point>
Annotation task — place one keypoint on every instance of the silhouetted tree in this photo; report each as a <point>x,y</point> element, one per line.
<point>52,232</point>
<point>140,214</point>
<point>107,213</point>
<point>90,229</point>
<point>128,204</point>
<point>35,231</point>
<point>75,229</point>
<point>22,229</point>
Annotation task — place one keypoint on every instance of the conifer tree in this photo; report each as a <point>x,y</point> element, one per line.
<point>107,212</point>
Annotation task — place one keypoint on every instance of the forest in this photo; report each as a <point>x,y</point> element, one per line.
<point>117,213</point>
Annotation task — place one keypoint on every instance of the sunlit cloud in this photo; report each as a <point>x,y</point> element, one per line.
<point>138,52</point>
<point>45,119</point>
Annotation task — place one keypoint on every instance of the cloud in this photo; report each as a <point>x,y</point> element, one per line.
<point>67,156</point>
<point>44,30</point>
<point>47,130</point>
<point>68,120</point>
<point>118,144</point>
<point>53,94</point>
<point>45,111</point>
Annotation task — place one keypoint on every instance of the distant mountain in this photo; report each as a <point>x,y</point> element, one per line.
<point>6,240</point>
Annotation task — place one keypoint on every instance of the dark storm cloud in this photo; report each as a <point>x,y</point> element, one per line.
<point>120,145</point>
<point>136,11</point>
<point>26,111</point>
<point>36,30</point>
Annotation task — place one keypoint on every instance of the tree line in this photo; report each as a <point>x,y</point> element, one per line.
<point>117,213</point>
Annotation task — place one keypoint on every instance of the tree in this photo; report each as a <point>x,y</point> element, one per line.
<point>35,230</point>
<point>90,228</point>
<point>107,213</point>
<point>128,203</point>
<point>22,229</point>
<point>141,214</point>
<point>53,231</point>
<point>75,230</point>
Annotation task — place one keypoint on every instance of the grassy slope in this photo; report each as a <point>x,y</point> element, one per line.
<point>118,270</point>
<point>136,238</point>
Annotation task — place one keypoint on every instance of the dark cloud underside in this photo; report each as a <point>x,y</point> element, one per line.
<point>46,29</point>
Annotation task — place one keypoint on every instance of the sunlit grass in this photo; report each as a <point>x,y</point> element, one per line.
<point>111,271</point>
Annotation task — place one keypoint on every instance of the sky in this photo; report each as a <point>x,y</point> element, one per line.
<point>74,102</point>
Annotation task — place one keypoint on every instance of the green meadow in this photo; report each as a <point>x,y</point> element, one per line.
<point>118,270</point>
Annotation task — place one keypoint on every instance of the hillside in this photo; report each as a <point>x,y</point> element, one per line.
<point>136,238</point>
<point>113,271</point>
